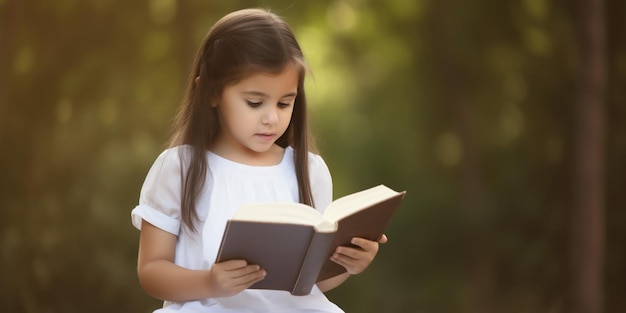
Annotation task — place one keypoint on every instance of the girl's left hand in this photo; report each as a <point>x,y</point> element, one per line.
<point>356,260</point>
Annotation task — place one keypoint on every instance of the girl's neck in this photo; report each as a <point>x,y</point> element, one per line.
<point>273,156</point>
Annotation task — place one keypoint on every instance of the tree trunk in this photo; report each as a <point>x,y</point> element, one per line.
<point>186,45</point>
<point>587,224</point>
<point>8,32</point>
<point>480,297</point>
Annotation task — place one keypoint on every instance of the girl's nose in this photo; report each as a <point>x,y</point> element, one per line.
<point>270,116</point>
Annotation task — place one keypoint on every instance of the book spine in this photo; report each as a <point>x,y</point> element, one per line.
<point>313,261</point>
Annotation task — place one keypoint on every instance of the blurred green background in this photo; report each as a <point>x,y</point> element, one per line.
<point>470,106</point>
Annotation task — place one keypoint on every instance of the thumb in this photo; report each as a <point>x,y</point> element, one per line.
<point>383,239</point>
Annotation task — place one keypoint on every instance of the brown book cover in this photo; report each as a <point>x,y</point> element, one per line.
<point>369,224</point>
<point>293,242</point>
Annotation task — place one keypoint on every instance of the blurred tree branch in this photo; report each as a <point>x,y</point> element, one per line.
<point>588,211</point>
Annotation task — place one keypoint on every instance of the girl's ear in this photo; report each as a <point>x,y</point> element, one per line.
<point>214,102</point>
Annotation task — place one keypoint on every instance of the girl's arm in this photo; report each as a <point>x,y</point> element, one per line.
<point>163,279</point>
<point>355,260</point>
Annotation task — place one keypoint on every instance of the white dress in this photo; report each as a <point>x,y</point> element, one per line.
<point>228,185</point>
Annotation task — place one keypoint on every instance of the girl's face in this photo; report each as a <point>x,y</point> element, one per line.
<point>253,114</point>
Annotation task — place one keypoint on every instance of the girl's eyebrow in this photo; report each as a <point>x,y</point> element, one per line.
<point>264,95</point>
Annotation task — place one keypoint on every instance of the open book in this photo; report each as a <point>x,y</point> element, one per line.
<point>293,242</point>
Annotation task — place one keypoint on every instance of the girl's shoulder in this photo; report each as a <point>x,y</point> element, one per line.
<point>171,160</point>
<point>316,160</point>
<point>318,169</point>
<point>176,154</point>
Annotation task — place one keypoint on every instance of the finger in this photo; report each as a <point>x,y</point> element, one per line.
<point>353,266</point>
<point>349,252</point>
<point>250,279</point>
<point>245,271</point>
<point>240,277</point>
<point>342,260</point>
<point>365,244</point>
<point>232,264</point>
<point>383,239</point>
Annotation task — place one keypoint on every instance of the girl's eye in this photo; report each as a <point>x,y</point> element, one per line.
<point>283,105</point>
<point>254,104</point>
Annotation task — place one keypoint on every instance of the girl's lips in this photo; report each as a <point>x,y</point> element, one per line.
<point>265,136</point>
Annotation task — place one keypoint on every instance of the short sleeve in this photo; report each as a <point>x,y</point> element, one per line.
<point>159,200</point>
<point>321,182</point>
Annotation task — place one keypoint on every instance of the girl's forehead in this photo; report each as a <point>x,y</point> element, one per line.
<point>288,72</point>
<point>272,72</point>
<point>284,81</point>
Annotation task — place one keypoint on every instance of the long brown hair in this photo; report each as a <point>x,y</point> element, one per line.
<point>239,44</point>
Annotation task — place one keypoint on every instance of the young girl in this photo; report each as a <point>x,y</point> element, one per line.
<point>240,136</point>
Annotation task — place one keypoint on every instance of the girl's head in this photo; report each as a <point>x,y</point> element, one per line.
<point>240,44</point>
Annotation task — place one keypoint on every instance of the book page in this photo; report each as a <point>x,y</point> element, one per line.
<point>358,201</point>
<point>287,213</point>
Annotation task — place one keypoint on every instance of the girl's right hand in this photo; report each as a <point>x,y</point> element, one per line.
<point>161,278</point>
<point>229,278</point>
